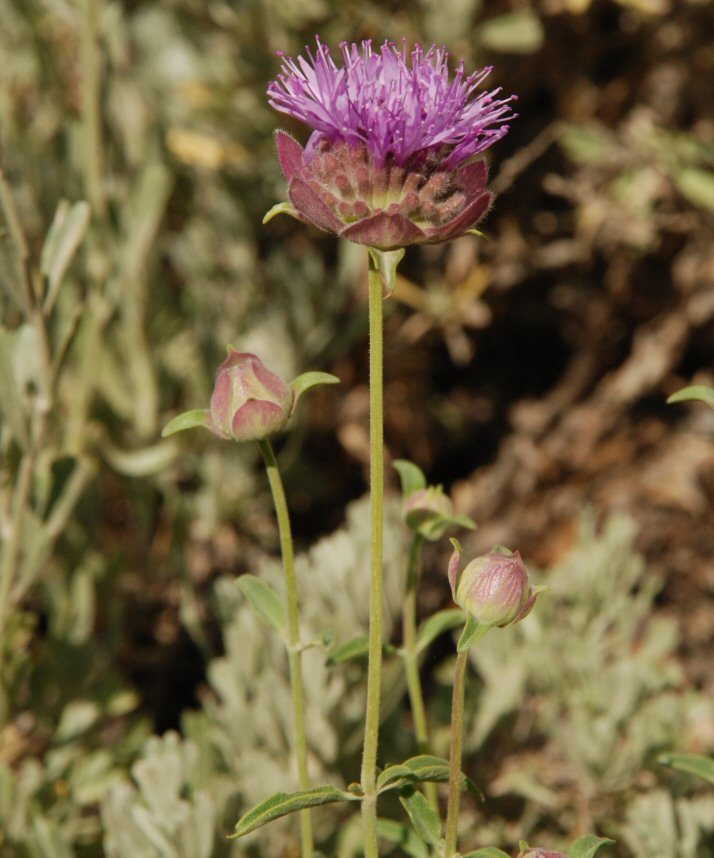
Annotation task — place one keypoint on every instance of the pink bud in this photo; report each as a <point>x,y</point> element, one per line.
<point>424,505</point>
<point>248,402</point>
<point>493,588</point>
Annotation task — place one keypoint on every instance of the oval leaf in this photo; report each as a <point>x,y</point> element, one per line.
<point>356,648</point>
<point>401,835</point>
<point>187,420</point>
<point>394,776</point>
<point>587,846</point>
<point>281,208</point>
<point>691,764</point>
<point>311,379</point>
<point>437,624</point>
<point>411,476</point>
<point>264,600</point>
<point>698,392</point>
<point>66,234</point>
<point>473,631</point>
<point>486,852</point>
<point>423,817</point>
<point>387,261</point>
<point>283,803</point>
<point>426,767</point>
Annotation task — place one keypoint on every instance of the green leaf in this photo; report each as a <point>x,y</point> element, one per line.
<point>283,803</point>
<point>387,262</point>
<point>432,525</point>
<point>486,852</point>
<point>393,776</point>
<point>11,404</point>
<point>264,600</point>
<point>426,767</point>
<point>473,631</point>
<point>587,145</point>
<point>310,379</point>
<point>403,836</point>
<point>281,208</point>
<point>437,624</point>
<point>699,392</point>
<point>423,817</point>
<point>411,476</point>
<point>586,846</point>
<point>420,769</point>
<point>356,648</point>
<point>697,186</point>
<point>515,33</point>
<point>691,764</point>
<point>64,237</point>
<point>187,420</point>
<point>142,462</point>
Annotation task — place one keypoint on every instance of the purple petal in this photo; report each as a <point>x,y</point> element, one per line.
<point>454,570</point>
<point>475,210</point>
<point>307,202</point>
<point>384,231</point>
<point>289,154</point>
<point>473,178</point>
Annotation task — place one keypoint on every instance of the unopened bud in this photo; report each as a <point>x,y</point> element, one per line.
<point>423,506</point>
<point>248,402</point>
<point>494,588</point>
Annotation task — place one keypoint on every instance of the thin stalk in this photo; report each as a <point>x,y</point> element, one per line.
<point>91,112</point>
<point>293,623</point>
<point>411,661</point>
<point>10,557</point>
<point>374,669</point>
<point>457,739</point>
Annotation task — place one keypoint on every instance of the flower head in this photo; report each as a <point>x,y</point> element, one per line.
<point>389,162</point>
<point>249,402</point>
<point>493,588</point>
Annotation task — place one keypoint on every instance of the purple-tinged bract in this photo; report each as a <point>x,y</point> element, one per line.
<point>390,161</point>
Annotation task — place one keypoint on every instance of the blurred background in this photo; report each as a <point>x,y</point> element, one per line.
<point>143,704</point>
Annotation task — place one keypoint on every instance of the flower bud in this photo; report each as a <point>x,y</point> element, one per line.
<point>248,402</point>
<point>424,507</point>
<point>494,588</point>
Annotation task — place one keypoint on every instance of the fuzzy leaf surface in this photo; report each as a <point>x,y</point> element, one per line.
<point>283,803</point>
<point>587,846</point>
<point>264,600</point>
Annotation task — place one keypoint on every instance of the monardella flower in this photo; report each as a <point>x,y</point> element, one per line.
<point>390,161</point>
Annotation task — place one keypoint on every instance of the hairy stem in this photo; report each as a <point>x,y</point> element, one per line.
<point>374,670</point>
<point>293,623</point>
<point>457,737</point>
<point>411,660</point>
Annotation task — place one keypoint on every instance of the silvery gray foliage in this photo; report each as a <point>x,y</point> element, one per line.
<point>660,826</point>
<point>165,812</point>
<point>602,668</point>
<point>236,749</point>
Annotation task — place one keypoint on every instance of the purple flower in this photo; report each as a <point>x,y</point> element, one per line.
<point>390,159</point>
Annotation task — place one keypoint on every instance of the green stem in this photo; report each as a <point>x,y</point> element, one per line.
<point>411,660</point>
<point>286,547</point>
<point>91,113</point>
<point>374,670</point>
<point>457,738</point>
